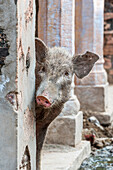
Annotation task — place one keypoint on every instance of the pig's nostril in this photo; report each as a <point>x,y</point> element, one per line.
<point>41,100</point>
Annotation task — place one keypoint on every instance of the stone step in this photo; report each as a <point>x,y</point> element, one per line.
<point>105,118</point>
<point>60,157</point>
<point>66,130</point>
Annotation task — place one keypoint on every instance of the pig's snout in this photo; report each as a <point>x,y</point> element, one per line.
<point>43,101</point>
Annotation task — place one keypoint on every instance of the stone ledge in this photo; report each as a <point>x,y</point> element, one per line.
<point>94,98</point>
<point>105,118</point>
<point>66,130</point>
<point>60,157</point>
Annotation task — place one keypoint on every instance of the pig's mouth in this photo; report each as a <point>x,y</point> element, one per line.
<point>43,102</point>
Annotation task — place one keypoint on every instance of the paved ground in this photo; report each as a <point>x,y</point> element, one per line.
<point>60,157</point>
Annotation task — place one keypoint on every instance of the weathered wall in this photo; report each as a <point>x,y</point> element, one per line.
<point>26,81</point>
<point>17,84</point>
<point>8,115</point>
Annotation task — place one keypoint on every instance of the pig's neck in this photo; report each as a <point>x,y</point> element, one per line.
<point>44,118</point>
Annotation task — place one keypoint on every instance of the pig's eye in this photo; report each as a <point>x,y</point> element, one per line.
<point>66,73</point>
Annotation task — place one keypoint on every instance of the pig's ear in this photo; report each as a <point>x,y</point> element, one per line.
<point>82,64</point>
<point>41,50</point>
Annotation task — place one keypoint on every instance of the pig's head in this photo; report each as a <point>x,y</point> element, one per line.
<point>55,69</point>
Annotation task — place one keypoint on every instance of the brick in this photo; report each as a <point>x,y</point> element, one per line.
<point>106,26</point>
<point>108,32</point>
<point>111,72</point>
<point>108,50</point>
<point>107,64</point>
<point>108,16</point>
<point>108,6</point>
<point>108,39</point>
<point>110,79</point>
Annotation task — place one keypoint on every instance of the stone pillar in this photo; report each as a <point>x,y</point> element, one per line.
<point>57,28</point>
<point>17,85</point>
<point>92,90</point>
<point>56,22</point>
<point>26,81</point>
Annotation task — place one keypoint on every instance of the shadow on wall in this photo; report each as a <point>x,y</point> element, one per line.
<point>3,48</point>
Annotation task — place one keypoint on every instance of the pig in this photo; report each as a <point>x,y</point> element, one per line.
<point>55,68</point>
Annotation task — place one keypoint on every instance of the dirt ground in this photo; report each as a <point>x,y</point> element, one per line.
<point>99,137</point>
<point>106,133</point>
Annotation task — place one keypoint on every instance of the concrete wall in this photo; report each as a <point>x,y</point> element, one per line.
<point>8,115</point>
<point>17,84</point>
<point>26,80</point>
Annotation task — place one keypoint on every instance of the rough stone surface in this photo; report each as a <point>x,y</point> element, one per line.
<point>105,118</point>
<point>60,157</point>
<point>17,125</point>
<point>8,116</point>
<point>26,82</point>
<point>66,130</point>
<point>94,98</point>
<point>110,97</point>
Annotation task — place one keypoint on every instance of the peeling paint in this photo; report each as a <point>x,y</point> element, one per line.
<point>20,51</point>
<point>3,81</point>
<point>4,47</point>
<point>26,83</point>
<point>26,160</point>
<point>29,13</point>
<point>28,124</point>
<point>28,60</point>
<point>12,98</point>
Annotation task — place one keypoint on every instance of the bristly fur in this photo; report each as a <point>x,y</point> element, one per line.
<point>55,68</point>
